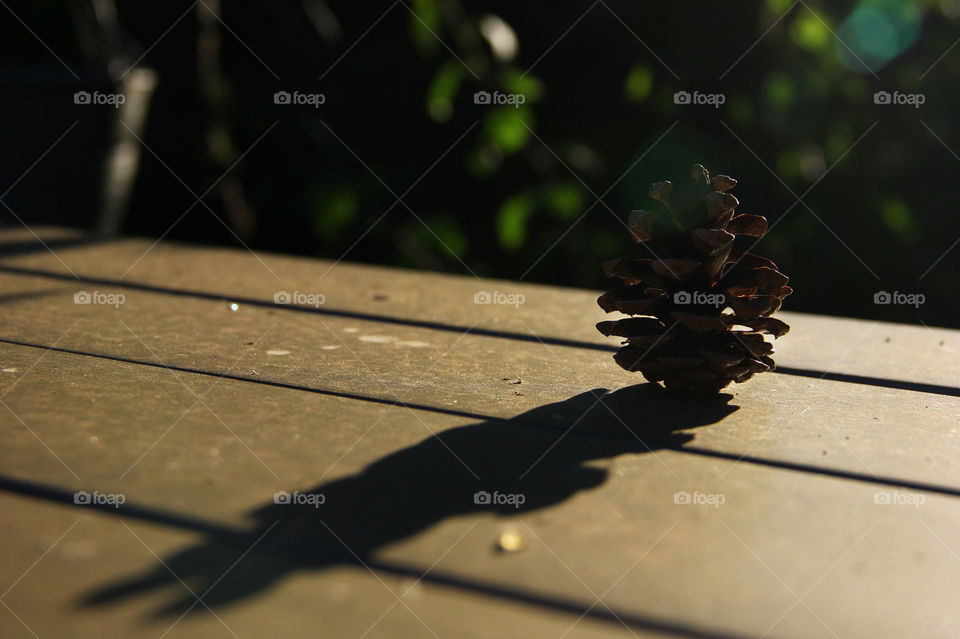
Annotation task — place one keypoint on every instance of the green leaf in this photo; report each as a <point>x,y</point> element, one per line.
<point>564,200</point>
<point>425,21</point>
<point>513,81</point>
<point>442,90</point>
<point>809,32</point>
<point>639,83</point>
<point>507,127</point>
<point>447,236</point>
<point>334,211</point>
<point>779,91</point>
<point>779,6</point>
<point>788,166</point>
<point>511,221</point>
<point>837,144</point>
<point>898,218</point>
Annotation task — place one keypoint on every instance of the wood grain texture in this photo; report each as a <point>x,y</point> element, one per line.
<point>396,400</point>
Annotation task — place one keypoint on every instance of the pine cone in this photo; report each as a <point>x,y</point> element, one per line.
<point>704,301</point>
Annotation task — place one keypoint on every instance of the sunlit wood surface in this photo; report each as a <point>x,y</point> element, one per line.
<point>825,496</point>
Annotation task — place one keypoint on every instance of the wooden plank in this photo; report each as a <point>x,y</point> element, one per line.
<point>605,504</point>
<point>819,344</point>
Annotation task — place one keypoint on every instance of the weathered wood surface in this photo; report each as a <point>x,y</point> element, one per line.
<point>394,400</point>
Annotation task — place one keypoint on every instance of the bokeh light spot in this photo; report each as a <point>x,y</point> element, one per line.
<point>876,32</point>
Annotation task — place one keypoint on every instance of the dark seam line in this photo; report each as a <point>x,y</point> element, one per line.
<point>821,470</point>
<point>453,328</point>
<point>919,387</point>
<point>167,518</point>
<point>693,450</point>
<point>367,317</point>
<point>264,382</point>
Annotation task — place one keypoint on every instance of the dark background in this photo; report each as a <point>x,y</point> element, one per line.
<point>515,196</point>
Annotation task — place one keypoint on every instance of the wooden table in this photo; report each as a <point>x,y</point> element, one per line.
<point>823,499</point>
